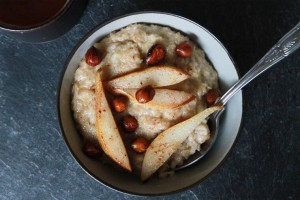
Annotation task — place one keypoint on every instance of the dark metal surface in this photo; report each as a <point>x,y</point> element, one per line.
<point>264,164</point>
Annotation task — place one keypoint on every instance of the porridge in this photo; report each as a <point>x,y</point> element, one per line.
<point>153,78</point>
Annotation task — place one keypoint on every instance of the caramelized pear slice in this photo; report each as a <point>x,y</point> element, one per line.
<point>163,98</point>
<point>166,143</point>
<point>157,76</point>
<point>107,132</point>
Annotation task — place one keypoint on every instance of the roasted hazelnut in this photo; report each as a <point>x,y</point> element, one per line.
<point>130,123</point>
<point>119,104</point>
<point>211,96</point>
<point>140,145</point>
<point>91,150</point>
<point>145,94</point>
<point>92,57</point>
<point>155,54</point>
<point>184,49</point>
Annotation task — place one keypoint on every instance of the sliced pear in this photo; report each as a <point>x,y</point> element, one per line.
<point>107,132</point>
<point>166,143</point>
<point>157,76</point>
<point>163,98</point>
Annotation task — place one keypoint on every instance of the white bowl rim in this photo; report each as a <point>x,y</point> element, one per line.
<point>59,87</point>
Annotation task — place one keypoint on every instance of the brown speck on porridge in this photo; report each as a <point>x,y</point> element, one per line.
<point>124,52</point>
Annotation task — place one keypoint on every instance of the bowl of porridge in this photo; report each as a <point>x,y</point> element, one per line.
<point>134,98</point>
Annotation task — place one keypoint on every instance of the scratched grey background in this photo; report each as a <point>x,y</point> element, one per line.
<point>264,164</point>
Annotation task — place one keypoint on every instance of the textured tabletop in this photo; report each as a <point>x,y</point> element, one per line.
<point>264,164</point>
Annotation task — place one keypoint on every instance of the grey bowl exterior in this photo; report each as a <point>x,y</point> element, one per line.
<point>183,179</point>
<point>54,28</point>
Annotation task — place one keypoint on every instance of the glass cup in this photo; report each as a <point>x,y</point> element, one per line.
<point>39,20</point>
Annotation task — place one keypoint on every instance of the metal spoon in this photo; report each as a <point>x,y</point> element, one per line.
<point>285,46</point>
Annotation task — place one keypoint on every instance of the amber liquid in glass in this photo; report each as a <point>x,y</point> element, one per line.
<point>29,13</point>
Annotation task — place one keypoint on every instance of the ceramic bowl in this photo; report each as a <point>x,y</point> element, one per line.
<point>183,179</point>
<point>51,28</point>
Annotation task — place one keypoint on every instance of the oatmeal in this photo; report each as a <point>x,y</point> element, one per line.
<point>127,51</point>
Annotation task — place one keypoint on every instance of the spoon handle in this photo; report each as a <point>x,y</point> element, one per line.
<point>285,46</point>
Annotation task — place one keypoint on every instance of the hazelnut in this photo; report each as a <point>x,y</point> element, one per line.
<point>119,104</point>
<point>91,150</point>
<point>145,94</point>
<point>155,54</point>
<point>184,49</point>
<point>92,57</point>
<point>211,96</point>
<point>130,123</point>
<point>140,145</point>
